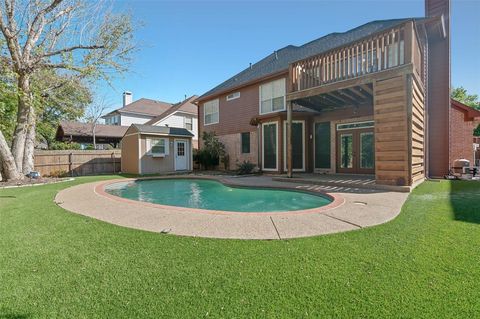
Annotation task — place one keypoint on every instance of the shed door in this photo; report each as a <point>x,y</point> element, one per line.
<point>181,155</point>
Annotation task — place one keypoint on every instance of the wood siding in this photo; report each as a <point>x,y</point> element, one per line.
<point>130,152</point>
<point>391,131</point>
<point>417,125</point>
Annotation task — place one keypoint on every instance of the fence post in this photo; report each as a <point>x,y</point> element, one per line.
<point>113,161</point>
<point>70,163</point>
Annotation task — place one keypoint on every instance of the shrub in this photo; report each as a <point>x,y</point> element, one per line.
<point>245,168</point>
<point>65,146</point>
<point>58,173</point>
<point>212,149</point>
<point>207,159</point>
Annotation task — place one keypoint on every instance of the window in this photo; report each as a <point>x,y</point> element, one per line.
<point>272,96</point>
<point>233,96</point>
<point>210,112</point>
<point>157,146</point>
<point>245,139</point>
<point>189,123</point>
<point>350,126</point>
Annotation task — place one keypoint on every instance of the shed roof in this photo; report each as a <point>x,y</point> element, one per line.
<point>162,130</point>
<point>279,61</point>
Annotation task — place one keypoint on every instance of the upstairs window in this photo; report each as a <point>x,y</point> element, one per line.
<point>189,123</point>
<point>272,96</point>
<point>210,112</point>
<point>245,141</point>
<point>233,96</point>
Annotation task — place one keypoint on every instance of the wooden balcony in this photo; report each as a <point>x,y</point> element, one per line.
<point>388,50</point>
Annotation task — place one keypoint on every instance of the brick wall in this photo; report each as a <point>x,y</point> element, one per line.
<point>233,147</point>
<point>461,133</point>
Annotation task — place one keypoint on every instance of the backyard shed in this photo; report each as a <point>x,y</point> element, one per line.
<point>148,149</point>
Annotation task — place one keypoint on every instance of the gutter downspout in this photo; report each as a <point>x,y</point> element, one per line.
<point>258,146</point>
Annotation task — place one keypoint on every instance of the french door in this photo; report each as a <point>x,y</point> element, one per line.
<point>356,151</point>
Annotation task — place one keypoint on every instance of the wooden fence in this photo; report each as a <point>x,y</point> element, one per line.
<point>77,163</point>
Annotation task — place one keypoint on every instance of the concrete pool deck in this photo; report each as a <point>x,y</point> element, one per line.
<point>353,208</point>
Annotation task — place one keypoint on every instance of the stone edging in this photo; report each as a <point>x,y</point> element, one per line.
<point>38,184</point>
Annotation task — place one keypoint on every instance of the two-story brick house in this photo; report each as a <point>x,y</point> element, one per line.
<point>365,101</point>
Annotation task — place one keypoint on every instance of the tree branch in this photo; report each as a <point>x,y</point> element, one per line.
<point>39,19</point>
<point>77,47</point>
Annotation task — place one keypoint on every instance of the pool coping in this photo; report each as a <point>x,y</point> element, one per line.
<point>336,200</point>
<point>342,215</point>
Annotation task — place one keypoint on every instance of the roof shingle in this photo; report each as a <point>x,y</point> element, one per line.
<point>275,63</point>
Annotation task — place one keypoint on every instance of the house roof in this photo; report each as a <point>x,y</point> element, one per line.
<point>471,114</point>
<point>186,106</point>
<point>162,130</point>
<point>279,61</point>
<point>144,106</point>
<point>77,129</point>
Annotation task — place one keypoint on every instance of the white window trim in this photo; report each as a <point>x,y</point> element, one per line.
<point>148,145</point>
<point>285,146</point>
<point>260,98</point>
<point>263,147</point>
<point>204,114</point>
<point>185,118</point>
<point>234,96</point>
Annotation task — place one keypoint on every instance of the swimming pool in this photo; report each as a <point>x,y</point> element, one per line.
<point>213,195</point>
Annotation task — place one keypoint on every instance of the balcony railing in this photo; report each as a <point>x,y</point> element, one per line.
<point>382,51</point>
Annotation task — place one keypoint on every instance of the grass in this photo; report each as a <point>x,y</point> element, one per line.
<point>424,264</point>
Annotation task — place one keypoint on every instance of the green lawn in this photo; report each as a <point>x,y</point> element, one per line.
<point>425,263</point>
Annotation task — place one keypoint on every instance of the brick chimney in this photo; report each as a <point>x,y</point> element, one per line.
<point>438,88</point>
<point>127,98</point>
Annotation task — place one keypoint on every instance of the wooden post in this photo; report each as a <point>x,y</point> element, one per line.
<point>70,163</point>
<point>113,161</point>
<point>289,138</point>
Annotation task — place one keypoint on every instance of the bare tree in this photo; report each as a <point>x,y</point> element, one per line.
<point>76,37</point>
<point>93,114</point>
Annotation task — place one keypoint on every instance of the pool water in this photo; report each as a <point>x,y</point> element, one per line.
<point>213,195</point>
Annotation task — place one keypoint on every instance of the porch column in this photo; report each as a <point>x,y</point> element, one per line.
<point>289,139</point>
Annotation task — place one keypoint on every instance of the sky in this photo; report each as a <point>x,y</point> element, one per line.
<point>189,47</point>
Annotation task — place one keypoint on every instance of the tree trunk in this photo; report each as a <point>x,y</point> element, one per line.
<point>28,155</point>
<point>24,107</point>
<point>94,137</point>
<point>7,161</point>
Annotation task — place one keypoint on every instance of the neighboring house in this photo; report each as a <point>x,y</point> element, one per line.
<point>182,115</point>
<point>135,112</point>
<point>463,120</point>
<point>148,149</point>
<point>360,102</point>
<point>83,133</point>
